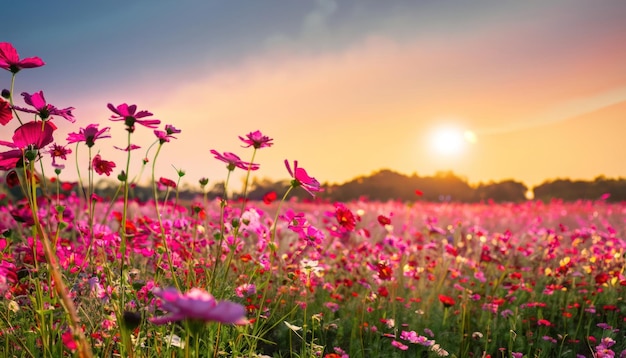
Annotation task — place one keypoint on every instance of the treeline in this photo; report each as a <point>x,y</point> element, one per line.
<point>387,185</point>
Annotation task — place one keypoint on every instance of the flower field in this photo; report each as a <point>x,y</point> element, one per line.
<point>86,276</point>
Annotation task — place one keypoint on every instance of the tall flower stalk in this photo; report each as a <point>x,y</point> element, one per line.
<point>300,178</point>
<point>163,137</point>
<point>130,117</point>
<point>232,161</point>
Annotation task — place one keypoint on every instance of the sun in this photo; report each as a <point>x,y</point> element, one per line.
<point>451,141</point>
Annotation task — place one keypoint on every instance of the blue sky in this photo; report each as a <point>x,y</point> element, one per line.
<point>367,79</point>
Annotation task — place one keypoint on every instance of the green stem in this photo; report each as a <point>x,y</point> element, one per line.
<point>124,237</point>
<point>273,249</point>
<point>55,273</point>
<point>11,99</point>
<point>218,255</point>
<point>158,213</point>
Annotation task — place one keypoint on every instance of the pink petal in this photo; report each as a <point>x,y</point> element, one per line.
<point>31,62</point>
<point>8,52</point>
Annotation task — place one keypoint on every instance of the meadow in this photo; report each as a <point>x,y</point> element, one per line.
<point>87,276</point>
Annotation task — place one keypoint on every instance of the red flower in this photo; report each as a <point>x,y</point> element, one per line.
<point>167,182</point>
<point>383,220</point>
<point>67,186</point>
<point>344,216</point>
<point>544,322</point>
<point>602,278</point>
<point>418,192</point>
<point>446,300</point>
<point>385,272</point>
<point>10,60</point>
<point>102,166</point>
<point>12,179</point>
<point>269,197</point>
<point>5,112</point>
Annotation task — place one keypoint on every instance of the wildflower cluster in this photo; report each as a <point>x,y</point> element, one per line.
<point>224,273</point>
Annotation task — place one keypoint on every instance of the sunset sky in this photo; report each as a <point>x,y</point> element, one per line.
<point>528,90</point>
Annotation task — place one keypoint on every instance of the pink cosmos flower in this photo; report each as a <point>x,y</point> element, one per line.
<point>102,166</point>
<point>44,110</point>
<point>233,161</point>
<point>313,237</point>
<point>68,341</point>
<point>164,136</point>
<point>130,116</point>
<point>301,178</point>
<point>89,135</point>
<point>198,305</point>
<point>399,345</point>
<point>8,276</point>
<point>296,222</point>
<point>5,112</point>
<point>247,289</point>
<point>10,60</point>
<point>58,151</point>
<point>257,140</point>
<point>128,148</point>
<point>29,136</point>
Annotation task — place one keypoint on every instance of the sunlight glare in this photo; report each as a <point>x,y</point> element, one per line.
<point>470,137</point>
<point>448,141</point>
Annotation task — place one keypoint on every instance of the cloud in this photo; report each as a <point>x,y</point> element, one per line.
<point>316,21</point>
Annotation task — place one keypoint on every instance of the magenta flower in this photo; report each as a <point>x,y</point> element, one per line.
<point>10,60</point>
<point>30,137</point>
<point>301,178</point>
<point>197,305</point>
<point>89,135</point>
<point>234,161</point>
<point>128,148</point>
<point>102,166</point>
<point>44,110</point>
<point>164,136</point>
<point>399,345</point>
<point>257,140</point>
<point>58,151</point>
<point>130,116</point>
<point>5,112</point>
